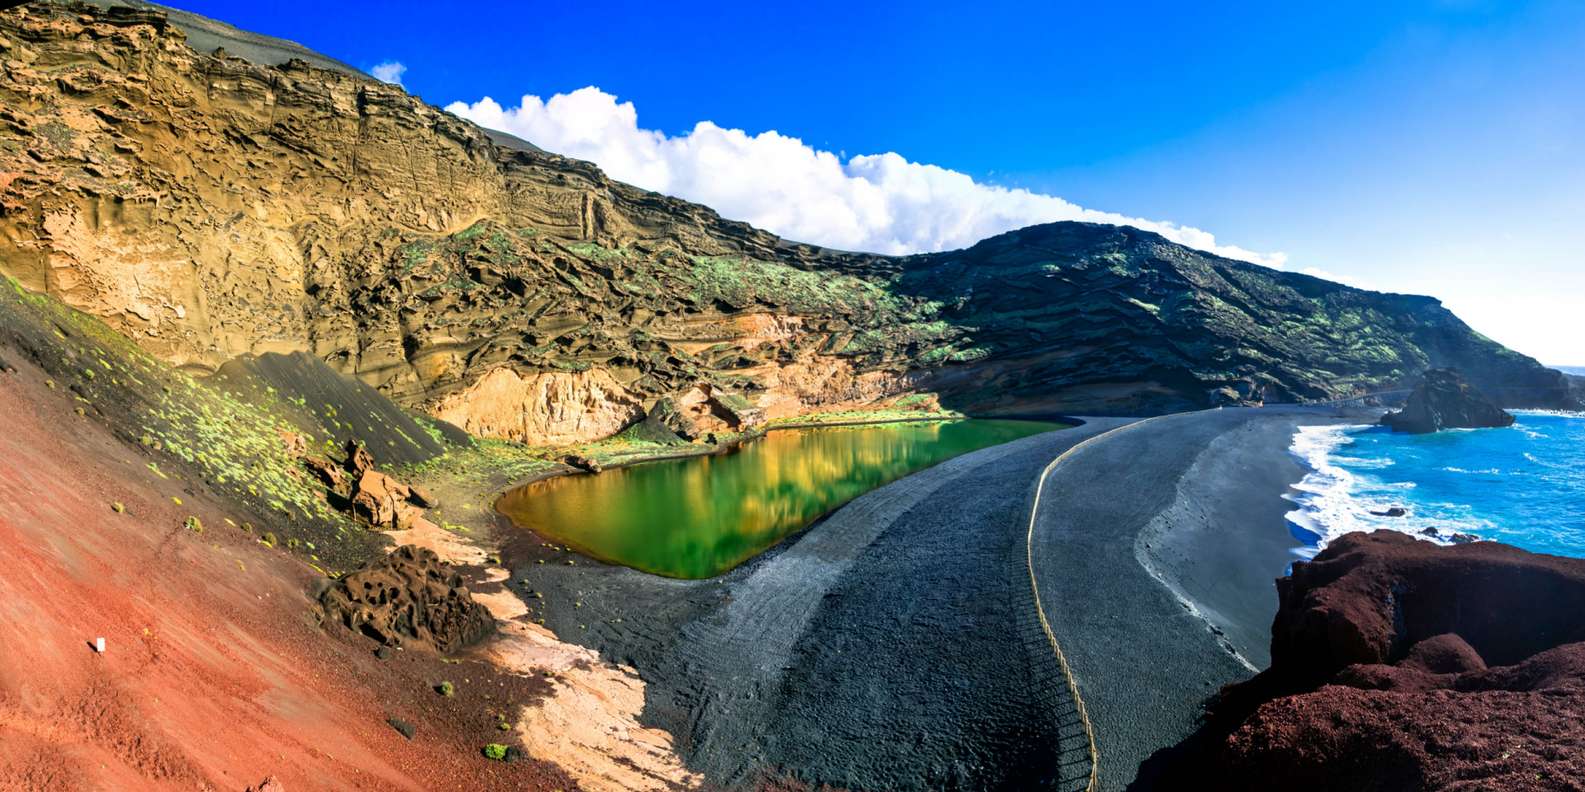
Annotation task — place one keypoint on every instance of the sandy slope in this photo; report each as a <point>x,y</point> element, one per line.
<point>216,675</point>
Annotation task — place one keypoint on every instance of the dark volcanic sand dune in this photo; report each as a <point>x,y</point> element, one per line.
<point>324,402</point>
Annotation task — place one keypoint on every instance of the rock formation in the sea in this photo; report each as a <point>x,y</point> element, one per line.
<point>211,207</point>
<point>1398,664</point>
<point>1444,400</point>
<point>409,598</point>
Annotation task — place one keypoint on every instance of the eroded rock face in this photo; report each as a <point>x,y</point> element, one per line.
<point>1445,401</point>
<point>551,408</point>
<point>409,598</point>
<point>1403,665</point>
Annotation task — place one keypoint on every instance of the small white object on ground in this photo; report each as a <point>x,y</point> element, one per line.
<point>99,645</point>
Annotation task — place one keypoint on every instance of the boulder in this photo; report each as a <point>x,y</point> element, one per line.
<point>1392,511</point>
<point>1402,664</point>
<point>1447,653</point>
<point>660,424</point>
<point>328,472</point>
<point>358,458</point>
<point>378,498</point>
<point>410,598</point>
<point>583,463</point>
<point>1445,401</point>
<point>706,409</point>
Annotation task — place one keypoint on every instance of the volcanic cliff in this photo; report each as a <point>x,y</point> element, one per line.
<point>1399,664</point>
<point>211,207</point>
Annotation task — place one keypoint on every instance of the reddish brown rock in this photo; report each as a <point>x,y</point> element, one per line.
<point>583,463</point>
<point>296,444</point>
<point>421,497</point>
<point>378,497</point>
<point>1398,664</point>
<point>328,472</point>
<point>358,458</point>
<point>409,598</point>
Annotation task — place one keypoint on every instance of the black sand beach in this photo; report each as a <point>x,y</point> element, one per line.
<point>888,646</point>
<point>1156,550</point>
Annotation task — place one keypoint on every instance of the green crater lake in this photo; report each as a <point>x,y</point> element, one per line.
<point>701,516</point>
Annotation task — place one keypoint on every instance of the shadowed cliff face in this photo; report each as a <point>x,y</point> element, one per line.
<point>209,207</point>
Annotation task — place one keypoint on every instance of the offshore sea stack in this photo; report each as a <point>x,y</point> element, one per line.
<point>1399,664</point>
<point>1444,400</point>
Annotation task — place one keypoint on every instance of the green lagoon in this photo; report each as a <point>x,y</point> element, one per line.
<point>701,516</point>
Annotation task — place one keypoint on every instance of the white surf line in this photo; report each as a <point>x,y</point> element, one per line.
<point>1194,610</point>
<point>1034,583</point>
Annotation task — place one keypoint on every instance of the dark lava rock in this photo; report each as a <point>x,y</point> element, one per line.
<point>402,727</point>
<point>1445,401</point>
<point>581,462</point>
<point>1398,664</point>
<point>1395,511</point>
<point>409,598</point>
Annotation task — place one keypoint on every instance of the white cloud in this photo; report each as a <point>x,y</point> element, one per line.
<point>881,202</point>
<point>389,71</point>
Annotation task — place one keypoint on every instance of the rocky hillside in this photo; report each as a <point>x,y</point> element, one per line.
<point>211,207</point>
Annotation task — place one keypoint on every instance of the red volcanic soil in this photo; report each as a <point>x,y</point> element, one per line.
<point>1401,665</point>
<point>215,674</point>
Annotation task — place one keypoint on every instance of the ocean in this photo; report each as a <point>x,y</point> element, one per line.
<point>1523,485</point>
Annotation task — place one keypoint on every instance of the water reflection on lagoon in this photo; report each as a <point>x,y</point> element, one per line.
<point>699,517</point>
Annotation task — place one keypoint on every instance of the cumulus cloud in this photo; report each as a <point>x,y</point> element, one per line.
<point>880,202</point>
<point>389,71</point>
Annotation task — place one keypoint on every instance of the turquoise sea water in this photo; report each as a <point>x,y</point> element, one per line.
<point>1523,485</point>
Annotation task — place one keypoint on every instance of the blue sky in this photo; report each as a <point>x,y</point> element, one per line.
<point>1430,147</point>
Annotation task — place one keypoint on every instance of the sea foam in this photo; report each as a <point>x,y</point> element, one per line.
<point>1333,500</point>
<point>1524,485</point>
